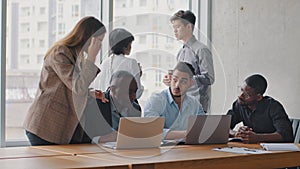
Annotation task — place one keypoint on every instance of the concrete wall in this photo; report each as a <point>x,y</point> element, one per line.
<point>257,36</point>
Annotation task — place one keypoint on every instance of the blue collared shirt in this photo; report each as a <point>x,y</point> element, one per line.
<point>163,105</point>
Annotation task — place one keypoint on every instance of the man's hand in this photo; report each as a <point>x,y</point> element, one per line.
<point>232,133</point>
<point>247,135</point>
<point>167,80</point>
<point>177,134</point>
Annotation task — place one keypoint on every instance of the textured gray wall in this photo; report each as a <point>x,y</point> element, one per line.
<point>257,36</point>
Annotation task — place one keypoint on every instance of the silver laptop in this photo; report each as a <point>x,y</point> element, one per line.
<point>138,132</point>
<point>208,129</point>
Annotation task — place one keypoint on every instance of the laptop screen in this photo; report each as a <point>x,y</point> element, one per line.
<point>138,132</point>
<point>208,129</point>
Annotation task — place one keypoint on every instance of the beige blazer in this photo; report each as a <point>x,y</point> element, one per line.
<point>61,96</point>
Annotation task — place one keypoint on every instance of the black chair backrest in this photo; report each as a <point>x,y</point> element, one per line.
<point>296,129</point>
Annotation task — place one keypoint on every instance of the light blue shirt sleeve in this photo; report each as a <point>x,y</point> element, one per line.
<point>200,110</point>
<point>155,105</point>
<point>165,132</point>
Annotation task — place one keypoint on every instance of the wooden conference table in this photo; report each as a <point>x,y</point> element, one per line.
<point>184,156</point>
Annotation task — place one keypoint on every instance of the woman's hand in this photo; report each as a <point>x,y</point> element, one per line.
<point>94,48</point>
<point>98,94</point>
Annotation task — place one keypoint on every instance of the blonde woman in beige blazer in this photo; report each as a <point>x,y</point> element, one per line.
<point>68,70</point>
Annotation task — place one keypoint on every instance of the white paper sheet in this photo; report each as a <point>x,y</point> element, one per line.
<point>241,150</point>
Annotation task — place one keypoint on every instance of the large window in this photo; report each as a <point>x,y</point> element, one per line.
<point>75,10</point>
<point>24,59</point>
<point>149,23</point>
<point>155,47</point>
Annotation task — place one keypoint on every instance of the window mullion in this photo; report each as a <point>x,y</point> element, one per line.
<point>3,70</point>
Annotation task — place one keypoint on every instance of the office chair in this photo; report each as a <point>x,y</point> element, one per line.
<point>296,129</point>
<point>296,134</point>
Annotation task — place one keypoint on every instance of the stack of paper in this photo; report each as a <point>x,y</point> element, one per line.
<point>241,150</point>
<point>280,146</point>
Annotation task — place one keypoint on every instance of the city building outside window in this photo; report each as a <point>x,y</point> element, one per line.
<point>54,20</point>
<point>24,59</point>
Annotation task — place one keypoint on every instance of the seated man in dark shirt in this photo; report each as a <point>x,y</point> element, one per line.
<point>264,118</point>
<point>101,119</point>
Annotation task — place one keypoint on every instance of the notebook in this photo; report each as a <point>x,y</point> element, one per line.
<point>208,129</point>
<point>280,146</point>
<point>138,132</point>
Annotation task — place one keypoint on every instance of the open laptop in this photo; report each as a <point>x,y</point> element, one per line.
<point>138,132</point>
<point>208,129</point>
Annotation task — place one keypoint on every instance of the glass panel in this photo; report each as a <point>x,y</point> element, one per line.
<point>154,47</point>
<point>42,22</point>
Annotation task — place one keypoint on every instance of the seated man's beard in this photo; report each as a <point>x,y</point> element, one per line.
<point>178,95</point>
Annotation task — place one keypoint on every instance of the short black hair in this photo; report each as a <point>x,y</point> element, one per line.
<point>121,74</point>
<point>186,16</point>
<point>257,82</point>
<point>119,39</point>
<point>186,68</point>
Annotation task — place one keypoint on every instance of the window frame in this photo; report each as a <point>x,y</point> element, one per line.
<point>3,16</point>
<point>3,70</point>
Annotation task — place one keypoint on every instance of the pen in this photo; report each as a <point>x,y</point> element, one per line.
<point>252,150</point>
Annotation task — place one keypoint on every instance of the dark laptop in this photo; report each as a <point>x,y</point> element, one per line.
<point>208,129</point>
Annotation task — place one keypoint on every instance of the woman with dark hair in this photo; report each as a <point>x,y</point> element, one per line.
<point>120,44</point>
<point>68,70</point>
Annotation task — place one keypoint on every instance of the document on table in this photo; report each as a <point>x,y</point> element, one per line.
<point>280,146</point>
<point>241,150</point>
